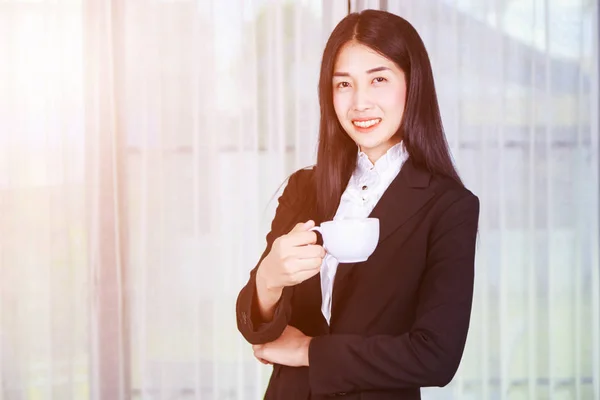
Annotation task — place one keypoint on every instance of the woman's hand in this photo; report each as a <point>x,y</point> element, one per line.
<point>263,361</point>
<point>293,258</point>
<point>291,349</point>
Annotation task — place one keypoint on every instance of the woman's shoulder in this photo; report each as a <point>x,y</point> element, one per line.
<point>452,203</point>
<point>301,179</point>
<point>449,191</point>
<point>304,173</point>
<point>298,194</point>
<point>298,186</point>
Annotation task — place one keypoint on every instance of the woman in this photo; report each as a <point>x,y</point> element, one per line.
<point>383,328</point>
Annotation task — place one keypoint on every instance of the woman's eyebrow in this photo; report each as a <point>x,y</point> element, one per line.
<point>341,74</point>
<point>369,71</point>
<point>378,69</point>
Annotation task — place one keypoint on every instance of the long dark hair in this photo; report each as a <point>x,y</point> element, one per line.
<point>421,127</point>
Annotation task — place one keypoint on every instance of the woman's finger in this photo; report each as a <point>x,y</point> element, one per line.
<point>300,238</point>
<point>303,226</point>
<point>307,264</point>
<point>258,351</point>
<point>309,251</point>
<point>303,275</point>
<point>263,361</point>
<point>258,354</point>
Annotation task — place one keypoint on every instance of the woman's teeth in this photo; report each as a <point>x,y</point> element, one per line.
<point>366,124</point>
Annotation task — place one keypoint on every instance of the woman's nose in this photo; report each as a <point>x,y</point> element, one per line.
<point>362,100</point>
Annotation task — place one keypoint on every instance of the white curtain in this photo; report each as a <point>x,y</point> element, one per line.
<point>518,88</point>
<point>45,279</point>
<point>142,144</point>
<point>220,106</point>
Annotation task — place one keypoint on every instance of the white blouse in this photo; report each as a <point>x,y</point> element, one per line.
<point>365,188</point>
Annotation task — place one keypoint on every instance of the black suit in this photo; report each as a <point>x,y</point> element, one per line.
<point>399,320</point>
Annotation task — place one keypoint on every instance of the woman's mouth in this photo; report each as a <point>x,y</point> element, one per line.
<point>366,125</point>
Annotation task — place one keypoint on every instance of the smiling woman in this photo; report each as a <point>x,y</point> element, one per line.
<point>385,327</point>
<point>140,141</point>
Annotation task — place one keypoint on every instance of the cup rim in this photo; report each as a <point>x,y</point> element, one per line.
<point>349,219</point>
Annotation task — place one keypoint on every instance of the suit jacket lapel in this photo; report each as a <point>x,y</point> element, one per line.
<point>406,195</point>
<point>403,198</point>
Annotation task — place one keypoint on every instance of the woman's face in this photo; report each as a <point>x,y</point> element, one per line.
<point>369,93</point>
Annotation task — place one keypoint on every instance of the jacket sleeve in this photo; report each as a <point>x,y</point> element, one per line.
<point>429,354</point>
<point>248,316</point>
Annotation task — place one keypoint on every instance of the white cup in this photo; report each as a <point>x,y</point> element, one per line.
<point>350,240</point>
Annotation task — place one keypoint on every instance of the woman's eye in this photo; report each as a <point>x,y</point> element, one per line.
<point>343,85</point>
<point>379,79</point>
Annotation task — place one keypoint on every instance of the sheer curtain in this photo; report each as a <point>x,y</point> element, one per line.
<point>220,106</point>
<point>518,89</point>
<point>45,256</point>
<point>142,144</point>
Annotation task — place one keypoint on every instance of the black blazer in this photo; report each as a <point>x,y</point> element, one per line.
<point>399,320</point>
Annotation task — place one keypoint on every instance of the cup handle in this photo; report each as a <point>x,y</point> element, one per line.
<point>318,229</point>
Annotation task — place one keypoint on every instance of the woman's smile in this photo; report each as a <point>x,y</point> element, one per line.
<point>365,125</point>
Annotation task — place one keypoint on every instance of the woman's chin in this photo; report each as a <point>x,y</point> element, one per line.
<point>368,144</point>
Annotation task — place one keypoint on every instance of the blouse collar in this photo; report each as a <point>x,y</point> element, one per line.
<point>394,157</point>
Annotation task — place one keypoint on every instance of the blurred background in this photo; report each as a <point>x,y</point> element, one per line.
<point>142,142</point>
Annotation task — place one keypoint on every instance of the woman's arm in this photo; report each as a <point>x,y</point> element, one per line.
<point>430,353</point>
<point>263,312</point>
<point>250,313</point>
<point>266,297</point>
